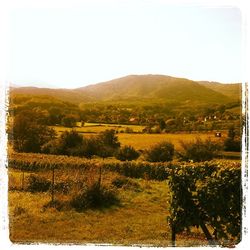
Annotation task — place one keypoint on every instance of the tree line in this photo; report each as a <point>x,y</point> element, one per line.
<point>165,117</point>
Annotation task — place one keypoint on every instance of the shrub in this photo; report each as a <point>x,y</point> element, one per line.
<point>108,138</point>
<point>38,184</point>
<point>69,140</point>
<point>123,182</point>
<point>63,187</point>
<point>198,150</point>
<point>94,196</point>
<point>127,153</point>
<point>232,142</point>
<point>91,146</point>
<point>161,152</point>
<point>51,147</point>
<point>233,145</point>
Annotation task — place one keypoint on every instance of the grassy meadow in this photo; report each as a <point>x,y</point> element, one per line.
<point>142,209</point>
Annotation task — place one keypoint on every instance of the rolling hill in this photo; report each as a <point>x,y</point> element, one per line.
<point>231,90</point>
<point>146,88</point>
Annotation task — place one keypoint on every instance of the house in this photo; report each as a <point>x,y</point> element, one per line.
<point>217,134</point>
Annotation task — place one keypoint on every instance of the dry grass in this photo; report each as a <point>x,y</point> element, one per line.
<point>139,219</point>
<point>144,141</point>
<point>97,128</point>
<point>140,141</point>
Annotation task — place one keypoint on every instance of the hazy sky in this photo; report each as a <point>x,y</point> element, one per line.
<point>73,47</point>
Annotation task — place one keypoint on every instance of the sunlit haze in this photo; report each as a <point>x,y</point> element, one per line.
<point>74,47</point>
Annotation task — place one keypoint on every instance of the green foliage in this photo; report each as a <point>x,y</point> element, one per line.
<point>38,162</point>
<point>161,152</point>
<point>232,142</point>
<point>198,150</point>
<point>127,153</point>
<point>123,182</point>
<point>232,145</point>
<point>109,138</point>
<point>95,196</point>
<point>69,120</point>
<point>51,147</point>
<point>91,146</point>
<point>69,143</point>
<point>28,135</point>
<point>208,194</point>
<point>162,124</point>
<point>38,184</point>
<point>72,143</point>
<point>70,139</point>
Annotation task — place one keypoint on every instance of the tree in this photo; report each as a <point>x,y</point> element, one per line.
<point>108,143</point>
<point>162,124</point>
<point>198,150</point>
<point>232,142</point>
<point>70,142</point>
<point>69,121</point>
<point>91,146</point>
<point>108,138</point>
<point>127,153</point>
<point>28,135</point>
<point>161,152</point>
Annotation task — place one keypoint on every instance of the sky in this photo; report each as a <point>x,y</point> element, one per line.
<point>78,46</point>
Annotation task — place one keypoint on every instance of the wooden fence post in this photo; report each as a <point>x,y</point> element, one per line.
<point>209,237</point>
<point>52,185</point>
<point>173,235</point>
<point>23,180</point>
<point>100,176</point>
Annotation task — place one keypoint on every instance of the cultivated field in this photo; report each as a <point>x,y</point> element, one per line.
<point>141,141</point>
<point>99,127</point>
<point>144,141</point>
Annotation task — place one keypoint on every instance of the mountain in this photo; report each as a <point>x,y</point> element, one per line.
<point>144,88</point>
<point>231,90</point>
<point>152,87</point>
<point>68,95</point>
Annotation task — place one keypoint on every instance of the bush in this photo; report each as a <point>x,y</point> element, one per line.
<point>232,142</point>
<point>198,150</point>
<point>161,152</point>
<point>51,147</point>
<point>123,182</point>
<point>63,187</point>
<point>38,184</point>
<point>69,142</point>
<point>233,145</point>
<point>95,196</point>
<point>127,153</point>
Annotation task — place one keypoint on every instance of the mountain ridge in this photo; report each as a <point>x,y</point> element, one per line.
<point>133,87</point>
